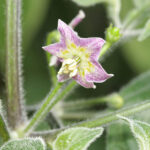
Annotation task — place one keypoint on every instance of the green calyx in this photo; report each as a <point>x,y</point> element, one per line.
<point>113,34</point>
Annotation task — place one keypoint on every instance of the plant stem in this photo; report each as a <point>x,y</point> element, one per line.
<point>113,116</point>
<point>48,105</point>
<point>80,115</point>
<point>104,49</point>
<point>135,14</point>
<point>16,113</point>
<point>39,114</point>
<point>61,96</point>
<point>83,104</point>
<point>99,121</point>
<point>114,101</point>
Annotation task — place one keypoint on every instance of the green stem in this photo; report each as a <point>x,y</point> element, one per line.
<point>100,121</point>
<point>113,116</point>
<point>39,114</point>
<point>48,105</point>
<point>61,96</point>
<point>16,113</point>
<point>83,104</point>
<point>104,49</point>
<point>80,115</point>
<point>113,100</point>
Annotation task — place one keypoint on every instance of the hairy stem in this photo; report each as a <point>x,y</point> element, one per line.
<point>104,49</point>
<point>39,114</point>
<point>113,116</point>
<point>48,105</point>
<point>114,101</point>
<point>16,113</point>
<point>99,121</point>
<point>83,104</point>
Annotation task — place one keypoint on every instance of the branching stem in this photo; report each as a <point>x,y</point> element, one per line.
<point>48,104</point>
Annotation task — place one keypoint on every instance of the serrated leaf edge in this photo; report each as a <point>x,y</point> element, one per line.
<point>91,141</point>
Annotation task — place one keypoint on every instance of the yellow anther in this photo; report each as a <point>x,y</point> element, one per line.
<point>69,66</point>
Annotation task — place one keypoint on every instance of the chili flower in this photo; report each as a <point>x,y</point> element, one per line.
<point>79,57</point>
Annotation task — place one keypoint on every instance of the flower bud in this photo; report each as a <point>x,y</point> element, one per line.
<point>113,34</point>
<point>115,101</point>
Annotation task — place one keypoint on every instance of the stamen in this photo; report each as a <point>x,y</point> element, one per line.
<point>70,67</point>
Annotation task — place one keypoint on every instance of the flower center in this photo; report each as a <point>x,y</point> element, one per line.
<point>70,67</point>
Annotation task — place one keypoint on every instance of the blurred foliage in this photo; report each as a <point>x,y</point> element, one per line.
<point>136,53</point>
<point>39,18</point>
<point>137,90</point>
<point>2,35</point>
<point>140,131</point>
<point>120,137</point>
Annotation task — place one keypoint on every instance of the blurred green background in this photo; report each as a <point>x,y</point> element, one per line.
<point>39,18</point>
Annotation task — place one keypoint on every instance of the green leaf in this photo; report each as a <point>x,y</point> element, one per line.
<point>120,132</point>
<point>87,3</point>
<point>25,144</point>
<point>146,32</point>
<point>137,90</point>
<point>139,3</point>
<point>4,134</point>
<point>2,35</point>
<point>141,131</point>
<point>76,138</point>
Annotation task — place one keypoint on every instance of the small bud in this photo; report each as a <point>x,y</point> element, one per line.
<point>115,101</point>
<point>113,34</point>
<point>80,16</point>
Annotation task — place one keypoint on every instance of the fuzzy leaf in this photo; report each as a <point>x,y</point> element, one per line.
<point>4,134</point>
<point>25,144</point>
<point>120,132</point>
<point>146,31</point>
<point>141,131</point>
<point>2,35</point>
<point>137,90</point>
<point>139,3</point>
<point>76,138</point>
<point>87,3</point>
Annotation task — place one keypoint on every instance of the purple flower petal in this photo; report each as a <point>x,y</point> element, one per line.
<point>67,34</point>
<point>77,19</point>
<point>54,49</point>
<point>83,82</point>
<point>99,75</point>
<point>81,50</point>
<point>94,46</point>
